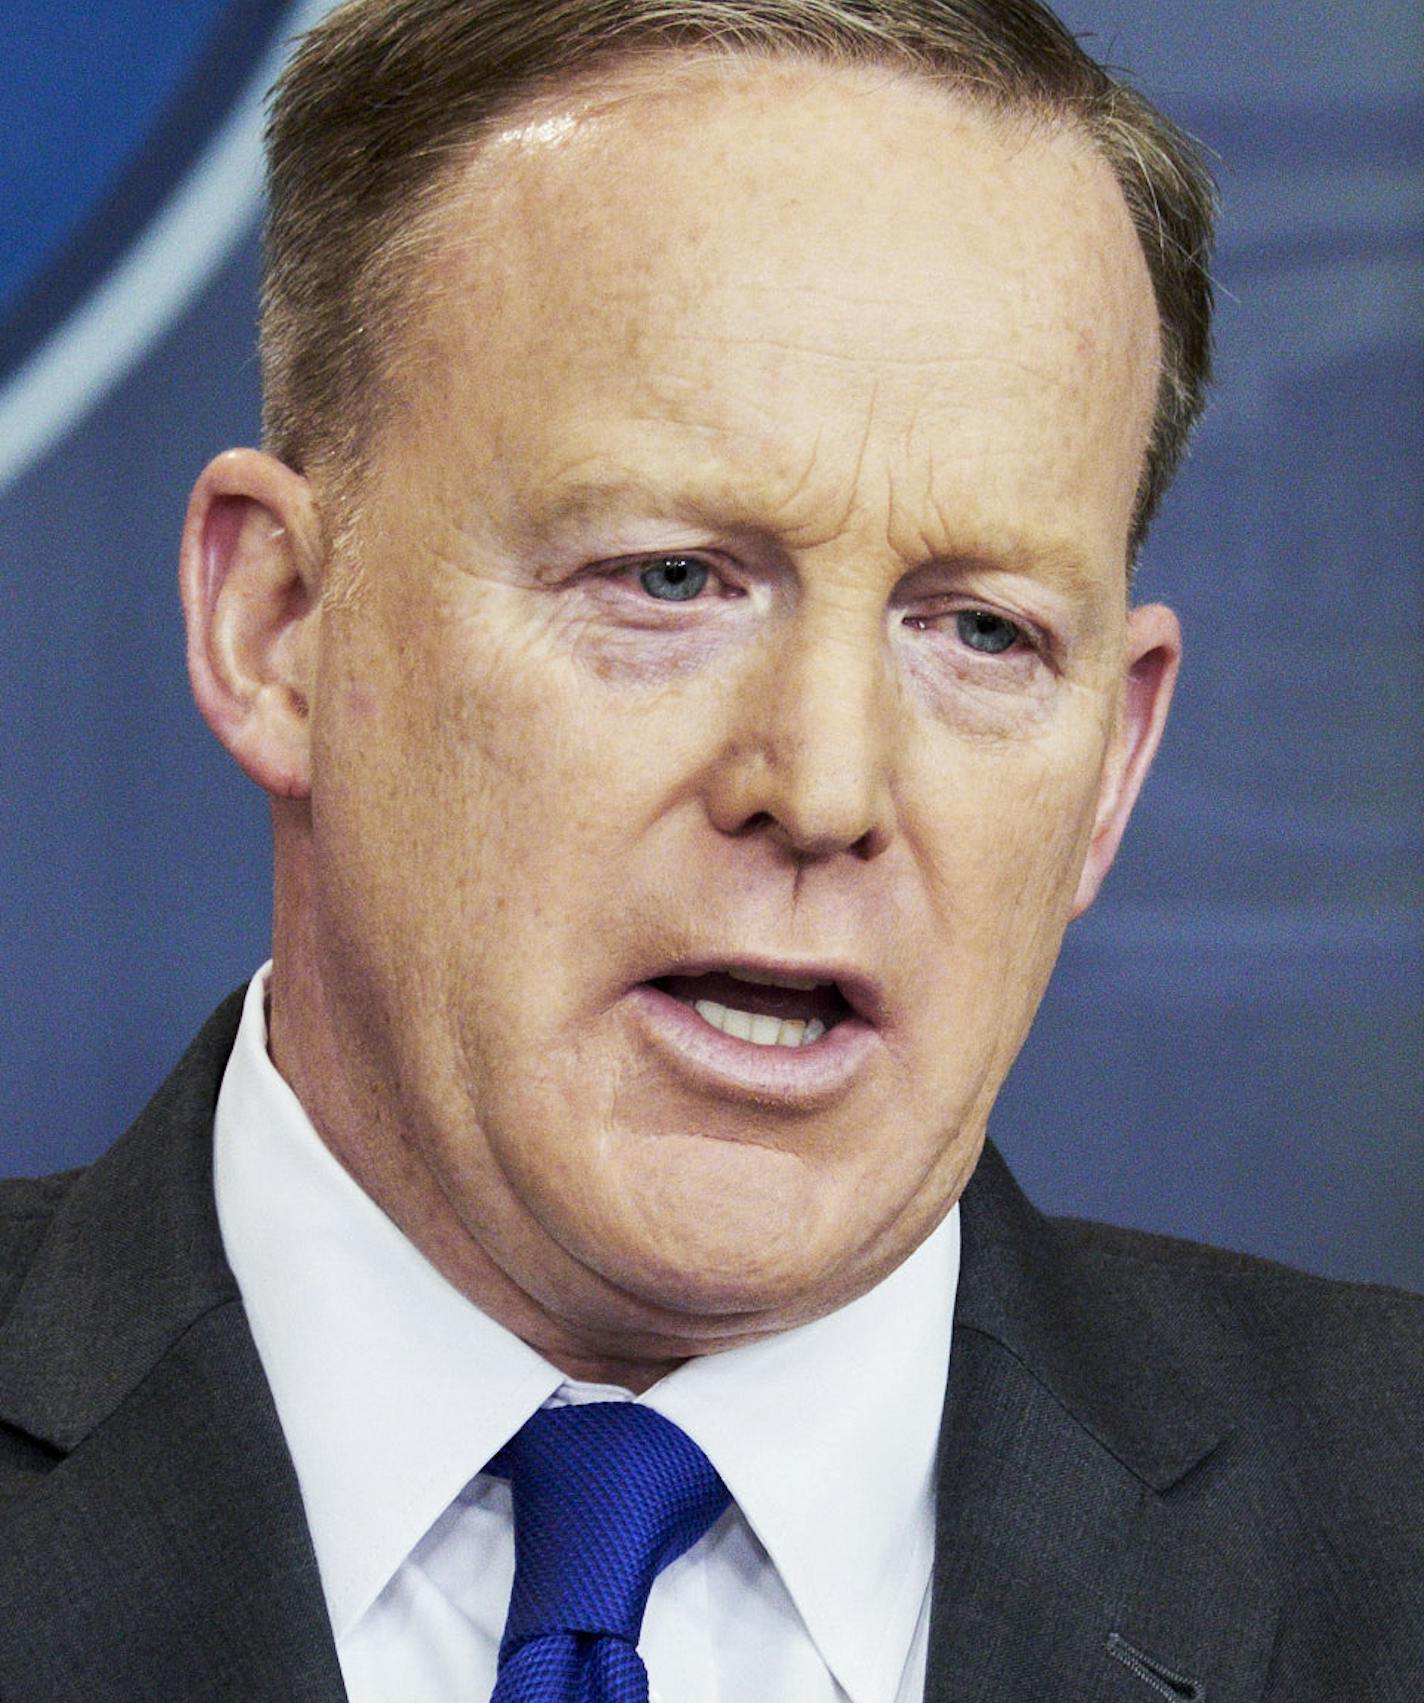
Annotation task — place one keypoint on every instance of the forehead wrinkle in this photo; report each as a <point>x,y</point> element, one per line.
<point>933,528</point>
<point>723,509</point>
<point>855,461</point>
<point>638,338</point>
<point>734,312</point>
<point>720,503</point>
<point>669,457</point>
<point>853,357</point>
<point>739,482</point>
<point>1055,563</point>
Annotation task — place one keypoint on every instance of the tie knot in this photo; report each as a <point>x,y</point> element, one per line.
<point>606,1495</point>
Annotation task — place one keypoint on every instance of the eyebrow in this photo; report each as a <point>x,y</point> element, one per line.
<point>1056,562</point>
<point>588,500</point>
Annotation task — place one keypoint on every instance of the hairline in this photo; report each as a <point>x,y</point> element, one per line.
<point>396,279</point>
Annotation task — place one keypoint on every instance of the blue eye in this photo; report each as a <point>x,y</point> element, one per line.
<point>673,579</point>
<point>989,634</point>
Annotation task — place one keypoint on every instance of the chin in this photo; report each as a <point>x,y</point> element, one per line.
<point>734,1232</point>
<point>690,1308</point>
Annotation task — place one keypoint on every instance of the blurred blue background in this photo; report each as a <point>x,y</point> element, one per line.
<point>1233,1048</point>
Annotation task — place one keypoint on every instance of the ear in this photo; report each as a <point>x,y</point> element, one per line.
<point>1153,654</point>
<point>250,574</point>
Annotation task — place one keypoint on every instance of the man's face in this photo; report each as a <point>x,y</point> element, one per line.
<point>741,595</point>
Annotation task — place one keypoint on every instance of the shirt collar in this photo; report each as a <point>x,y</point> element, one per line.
<point>826,1436</point>
<point>393,1390</point>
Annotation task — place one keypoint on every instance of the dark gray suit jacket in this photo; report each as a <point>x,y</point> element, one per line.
<point>1164,1471</point>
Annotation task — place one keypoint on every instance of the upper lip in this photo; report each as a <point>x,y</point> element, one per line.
<point>861,991</point>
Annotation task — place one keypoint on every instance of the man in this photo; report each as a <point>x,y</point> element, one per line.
<point>681,619</point>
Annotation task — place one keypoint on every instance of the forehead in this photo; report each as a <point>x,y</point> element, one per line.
<point>807,274</point>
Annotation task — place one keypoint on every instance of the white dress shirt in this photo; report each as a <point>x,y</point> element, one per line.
<point>393,1392</point>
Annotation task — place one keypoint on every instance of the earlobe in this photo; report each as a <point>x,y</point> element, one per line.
<point>1153,655</point>
<point>250,578</point>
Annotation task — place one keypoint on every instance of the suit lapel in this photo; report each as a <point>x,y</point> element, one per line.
<point>1095,1530</point>
<point>1098,1532</point>
<point>165,1554</point>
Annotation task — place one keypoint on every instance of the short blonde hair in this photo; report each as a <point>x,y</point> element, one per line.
<point>383,96</point>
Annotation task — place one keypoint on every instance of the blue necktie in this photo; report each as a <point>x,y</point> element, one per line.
<point>605,1495</point>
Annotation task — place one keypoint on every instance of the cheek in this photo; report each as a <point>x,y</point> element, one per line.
<point>488,734</point>
<point>999,866</point>
<point>535,780</point>
<point>1002,850</point>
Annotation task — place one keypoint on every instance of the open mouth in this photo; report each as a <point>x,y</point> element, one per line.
<point>767,1010</point>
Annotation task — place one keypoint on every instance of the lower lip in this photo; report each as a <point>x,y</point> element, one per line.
<point>803,1078</point>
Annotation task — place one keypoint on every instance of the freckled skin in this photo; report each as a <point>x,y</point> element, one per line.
<point>874,359</point>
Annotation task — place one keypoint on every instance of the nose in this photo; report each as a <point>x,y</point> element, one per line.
<point>808,761</point>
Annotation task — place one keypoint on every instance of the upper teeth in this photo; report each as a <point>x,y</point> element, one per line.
<point>761,1031</point>
<point>764,978</point>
